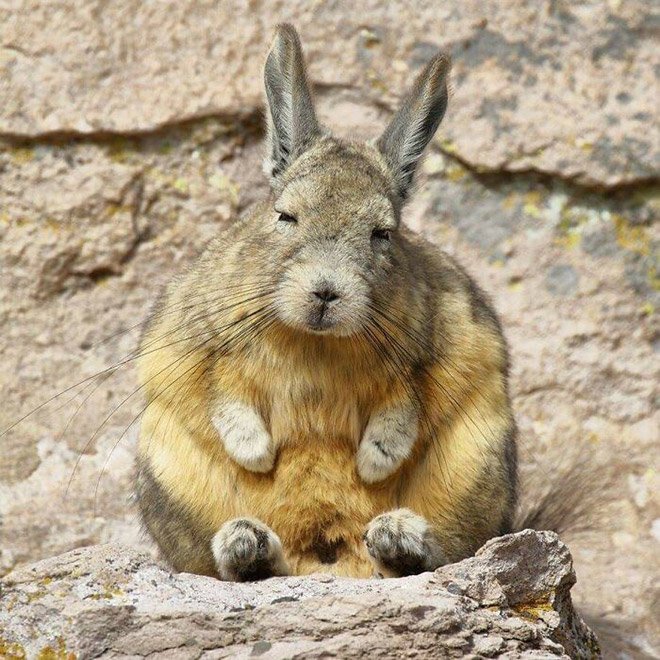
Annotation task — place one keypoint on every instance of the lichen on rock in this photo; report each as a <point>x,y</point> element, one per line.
<point>512,598</point>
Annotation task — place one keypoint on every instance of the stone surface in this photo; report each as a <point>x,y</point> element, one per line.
<point>115,188</point>
<point>512,599</point>
<point>557,87</point>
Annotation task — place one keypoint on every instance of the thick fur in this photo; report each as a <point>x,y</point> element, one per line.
<point>406,356</point>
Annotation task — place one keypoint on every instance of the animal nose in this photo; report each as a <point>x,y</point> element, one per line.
<point>326,293</point>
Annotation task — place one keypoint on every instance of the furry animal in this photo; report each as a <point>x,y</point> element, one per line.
<point>327,390</point>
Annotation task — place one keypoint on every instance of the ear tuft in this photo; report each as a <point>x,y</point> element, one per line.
<point>292,123</point>
<point>415,123</point>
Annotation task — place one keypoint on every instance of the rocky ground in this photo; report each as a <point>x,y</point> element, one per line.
<point>512,599</point>
<point>130,134</point>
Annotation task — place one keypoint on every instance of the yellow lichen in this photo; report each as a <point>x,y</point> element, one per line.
<point>648,308</point>
<point>447,146</point>
<point>109,591</point>
<point>455,172</point>
<point>11,650</point>
<point>570,240</point>
<point>533,610</point>
<point>22,155</point>
<point>58,653</point>
<point>510,201</point>
<point>532,201</point>
<point>654,278</point>
<point>118,151</point>
<point>36,595</point>
<point>585,145</point>
<point>181,185</point>
<point>515,283</point>
<point>631,237</point>
<point>52,224</point>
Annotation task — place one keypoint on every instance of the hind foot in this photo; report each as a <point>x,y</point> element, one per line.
<point>245,549</point>
<point>402,543</point>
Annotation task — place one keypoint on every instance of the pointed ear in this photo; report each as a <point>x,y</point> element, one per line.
<point>292,124</point>
<point>415,123</point>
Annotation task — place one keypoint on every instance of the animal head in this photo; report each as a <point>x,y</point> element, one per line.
<point>337,204</point>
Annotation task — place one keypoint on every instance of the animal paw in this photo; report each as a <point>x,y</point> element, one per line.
<point>245,550</point>
<point>401,542</point>
<point>244,436</point>
<point>387,442</point>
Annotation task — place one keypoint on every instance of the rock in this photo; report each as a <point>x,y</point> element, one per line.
<point>512,599</point>
<point>562,280</point>
<point>552,87</point>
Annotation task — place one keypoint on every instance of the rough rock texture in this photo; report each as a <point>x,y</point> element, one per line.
<point>134,66</point>
<point>512,599</point>
<point>130,134</point>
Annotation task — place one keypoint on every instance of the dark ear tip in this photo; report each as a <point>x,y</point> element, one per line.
<point>440,65</point>
<point>287,33</point>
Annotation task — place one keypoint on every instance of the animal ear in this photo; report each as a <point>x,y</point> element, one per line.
<point>292,123</point>
<point>416,121</point>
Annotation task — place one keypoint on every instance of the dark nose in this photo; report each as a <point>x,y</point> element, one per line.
<point>327,294</point>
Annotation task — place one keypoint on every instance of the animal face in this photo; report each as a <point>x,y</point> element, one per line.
<point>334,222</point>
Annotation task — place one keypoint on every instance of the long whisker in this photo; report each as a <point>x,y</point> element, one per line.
<point>400,366</point>
<point>194,349</point>
<point>458,408</point>
<point>245,334</point>
<point>86,381</point>
<point>136,356</point>
<point>445,363</point>
<point>436,382</point>
<point>199,298</point>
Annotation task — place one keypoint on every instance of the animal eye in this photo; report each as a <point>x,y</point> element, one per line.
<point>285,217</point>
<point>381,234</point>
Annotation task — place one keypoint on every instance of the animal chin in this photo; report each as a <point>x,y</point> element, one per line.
<point>320,320</point>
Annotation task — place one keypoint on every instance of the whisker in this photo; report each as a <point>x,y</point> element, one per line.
<point>135,391</point>
<point>244,333</point>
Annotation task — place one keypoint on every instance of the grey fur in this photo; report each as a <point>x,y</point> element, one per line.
<point>416,122</point>
<point>291,118</point>
<point>245,549</point>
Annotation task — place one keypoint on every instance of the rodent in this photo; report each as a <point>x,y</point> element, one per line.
<point>326,390</point>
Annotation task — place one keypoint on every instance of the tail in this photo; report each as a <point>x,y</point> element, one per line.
<point>570,501</point>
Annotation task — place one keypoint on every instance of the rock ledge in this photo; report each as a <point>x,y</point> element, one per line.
<point>512,599</point>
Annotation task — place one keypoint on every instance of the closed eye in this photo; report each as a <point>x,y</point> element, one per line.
<point>381,234</point>
<point>285,217</point>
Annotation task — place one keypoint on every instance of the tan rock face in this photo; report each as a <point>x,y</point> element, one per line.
<point>512,598</point>
<point>131,135</point>
<point>555,87</point>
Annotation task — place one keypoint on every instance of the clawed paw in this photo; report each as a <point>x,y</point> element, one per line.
<point>245,549</point>
<point>401,542</point>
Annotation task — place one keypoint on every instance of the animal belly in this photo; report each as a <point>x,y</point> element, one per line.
<point>317,504</point>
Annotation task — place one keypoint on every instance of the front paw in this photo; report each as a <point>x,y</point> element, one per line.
<point>376,460</point>
<point>386,444</point>
<point>251,449</point>
<point>245,437</point>
<point>401,542</point>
